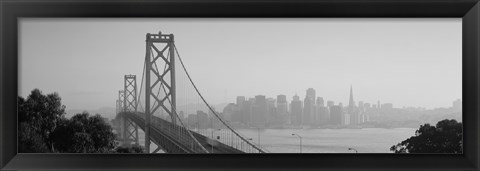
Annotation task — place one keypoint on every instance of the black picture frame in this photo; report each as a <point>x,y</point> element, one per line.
<point>468,10</point>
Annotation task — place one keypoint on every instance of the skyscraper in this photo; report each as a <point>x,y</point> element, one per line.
<point>311,94</point>
<point>329,111</point>
<point>240,101</point>
<point>229,112</point>
<point>351,103</point>
<point>296,110</point>
<point>260,110</point>
<point>367,106</point>
<point>309,107</point>
<point>330,103</point>
<point>360,105</point>
<point>346,119</point>
<point>352,113</point>
<point>361,112</point>
<point>247,111</point>
<point>321,112</point>
<point>202,119</point>
<point>192,121</point>
<point>320,101</point>
<point>281,98</point>
<point>271,117</point>
<point>336,114</point>
<point>239,111</point>
<point>387,106</point>
<point>282,109</point>
<point>237,115</point>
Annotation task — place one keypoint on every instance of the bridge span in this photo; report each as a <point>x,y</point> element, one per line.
<point>175,139</point>
<point>160,96</point>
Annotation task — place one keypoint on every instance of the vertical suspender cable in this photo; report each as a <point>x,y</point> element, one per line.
<point>209,107</point>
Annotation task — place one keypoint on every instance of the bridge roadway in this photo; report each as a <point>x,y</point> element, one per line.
<point>170,142</point>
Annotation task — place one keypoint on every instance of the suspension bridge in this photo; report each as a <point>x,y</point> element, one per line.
<point>155,110</point>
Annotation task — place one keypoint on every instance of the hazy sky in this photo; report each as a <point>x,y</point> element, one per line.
<point>407,62</point>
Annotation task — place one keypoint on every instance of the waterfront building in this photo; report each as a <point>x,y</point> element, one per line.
<point>336,112</point>
<point>352,112</point>
<point>247,111</point>
<point>202,120</point>
<point>282,109</point>
<point>309,107</point>
<point>330,103</point>
<point>323,117</point>
<point>387,106</point>
<point>271,117</point>
<point>296,108</point>
<point>230,111</point>
<point>260,110</point>
<point>346,119</point>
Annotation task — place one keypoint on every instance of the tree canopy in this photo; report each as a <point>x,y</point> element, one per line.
<point>445,137</point>
<point>132,149</point>
<point>84,134</point>
<point>38,116</point>
<point>44,128</point>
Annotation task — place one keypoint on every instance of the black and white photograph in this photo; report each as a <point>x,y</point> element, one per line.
<point>240,85</point>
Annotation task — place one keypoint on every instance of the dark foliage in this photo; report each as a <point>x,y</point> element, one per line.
<point>84,134</point>
<point>44,128</point>
<point>132,149</point>
<point>445,137</point>
<point>38,116</point>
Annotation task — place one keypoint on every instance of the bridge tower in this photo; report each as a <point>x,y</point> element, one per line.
<point>120,101</point>
<point>159,46</point>
<point>119,111</point>
<point>130,130</point>
<point>118,107</point>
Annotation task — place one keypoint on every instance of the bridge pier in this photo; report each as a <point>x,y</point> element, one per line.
<point>130,132</point>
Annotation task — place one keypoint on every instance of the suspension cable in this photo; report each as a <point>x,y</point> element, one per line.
<point>209,107</point>
<point>141,86</point>
<point>181,122</point>
<point>176,115</point>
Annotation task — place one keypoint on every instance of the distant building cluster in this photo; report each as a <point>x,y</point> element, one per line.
<point>311,111</point>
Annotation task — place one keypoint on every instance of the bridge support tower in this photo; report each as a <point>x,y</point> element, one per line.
<point>159,47</point>
<point>130,130</point>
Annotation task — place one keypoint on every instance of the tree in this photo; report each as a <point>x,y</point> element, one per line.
<point>445,137</point>
<point>38,116</point>
<point>132,149</point>
<point>84,134</point>
<point>29,141</point>
<point>43,128</point>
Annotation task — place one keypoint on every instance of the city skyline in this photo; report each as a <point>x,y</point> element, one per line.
<point>270,112</point>
<point>391,60</point>
<point>346,103</point>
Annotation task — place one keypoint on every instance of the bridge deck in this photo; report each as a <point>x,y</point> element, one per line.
<point>170,144</point>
